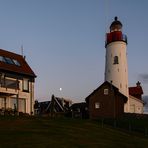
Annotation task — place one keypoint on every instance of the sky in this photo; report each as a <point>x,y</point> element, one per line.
<point>63,41</point>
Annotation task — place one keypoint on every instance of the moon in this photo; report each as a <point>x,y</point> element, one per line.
<point>60,89</point>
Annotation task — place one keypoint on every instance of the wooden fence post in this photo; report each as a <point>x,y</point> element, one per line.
<point>145,131</point>
<point>115,123</point>
<point>129,127</point>
<point>102,123</point>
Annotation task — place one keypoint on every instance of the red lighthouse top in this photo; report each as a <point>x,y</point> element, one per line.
<point>115,33</point>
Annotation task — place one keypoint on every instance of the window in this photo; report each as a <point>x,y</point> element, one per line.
<point>2,59</point>
<point>116,60</point>
<point>8,61</point>
<point>97,105</point>
<point>26,85</point>
<point>105,91</point>
<point>22,105</point>
<point>120,85</point>
<point>16,62</point>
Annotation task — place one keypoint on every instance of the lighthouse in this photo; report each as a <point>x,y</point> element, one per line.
<point>116,68</point>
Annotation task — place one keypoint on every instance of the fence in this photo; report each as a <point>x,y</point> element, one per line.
<point>130,123</point>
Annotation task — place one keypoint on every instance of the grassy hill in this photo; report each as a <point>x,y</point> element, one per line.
<point>63,133</point>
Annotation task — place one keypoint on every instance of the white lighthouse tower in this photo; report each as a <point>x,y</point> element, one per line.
<point>116,69</point>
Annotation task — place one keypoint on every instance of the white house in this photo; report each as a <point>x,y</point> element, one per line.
<point>16,83</point>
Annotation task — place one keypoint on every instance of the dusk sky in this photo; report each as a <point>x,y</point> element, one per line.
<point>63,41</point>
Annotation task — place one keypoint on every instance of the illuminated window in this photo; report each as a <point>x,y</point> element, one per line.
<point>97,105</point>
<point>105,91</point>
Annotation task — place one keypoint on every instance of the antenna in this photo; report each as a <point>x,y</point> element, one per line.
<point>22,50</point>
<point>106,14</point>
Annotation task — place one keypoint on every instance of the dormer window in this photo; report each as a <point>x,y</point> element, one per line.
<point>116,60</point>
<point>8,60</point>
<point>16,62</point>
<point>1,59</point>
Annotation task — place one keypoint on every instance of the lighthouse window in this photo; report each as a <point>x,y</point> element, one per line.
<point>116,60</point>
<point>97,105</point>
<point>120,85</point>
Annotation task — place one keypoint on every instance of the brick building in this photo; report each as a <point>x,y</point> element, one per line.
<point>106,101</point>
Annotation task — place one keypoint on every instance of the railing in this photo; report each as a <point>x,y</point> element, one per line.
<point>115,36</point>
<point>7,83</point>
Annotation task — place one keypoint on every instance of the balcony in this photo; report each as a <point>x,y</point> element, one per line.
<point>9,86</point>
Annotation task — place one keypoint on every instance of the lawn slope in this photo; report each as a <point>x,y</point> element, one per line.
<point>63,133</point>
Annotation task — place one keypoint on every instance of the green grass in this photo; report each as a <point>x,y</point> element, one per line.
<point>63,133</point>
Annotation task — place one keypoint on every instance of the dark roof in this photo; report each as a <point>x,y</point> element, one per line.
<point>79,105</point>
<point>135,90</point>
<point>21,68</point>
<point>44,104</point>
<point>110,85</point>
<point>115,23</point>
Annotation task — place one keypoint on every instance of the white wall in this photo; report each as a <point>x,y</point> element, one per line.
<point>136,105</point>
<point>28,96</point>
<point>117,73</point>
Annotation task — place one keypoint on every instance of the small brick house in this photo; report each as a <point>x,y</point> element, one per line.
<point>79,110</point>
<point>106,102</point>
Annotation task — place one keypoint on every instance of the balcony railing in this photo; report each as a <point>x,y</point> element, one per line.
<point>115,36</point>
<point>7,83</point>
